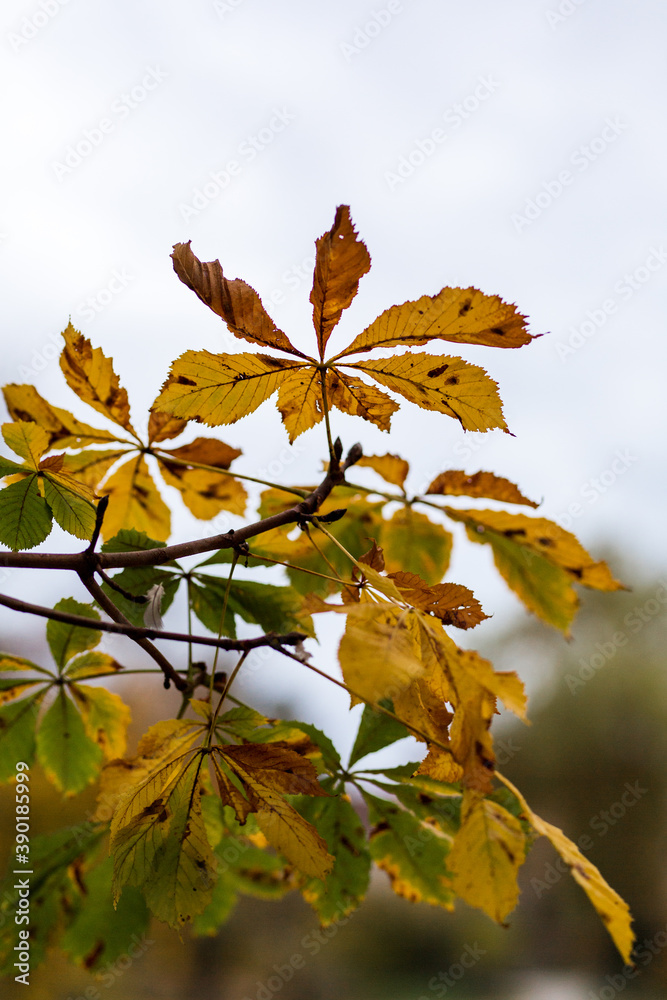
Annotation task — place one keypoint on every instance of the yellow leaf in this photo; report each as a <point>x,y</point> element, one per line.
<point>204,493</point>
<point>206,451</point>
<point>392,468</point>
<point>486,855</point>
<point>220,388</point>
<point>90,467</point>
<point>341,260</point>
<point>460,315</point>
<point>377,654</point>
<point>135,502</point>
<point>300,400</point>
<point>90,374</point>
<point>505,685</point>
<point>479,484</point>
<point>235,302</point>
<point>160,844</point>
<point>415,544</point>
<point>612,910</point>
<point>419,707</point>
<point>539,560</point>
<point>160,745</point>
<point>26,439</point>
<point>105,716</point>
<point>351,395</point>
<point>448,385</point>
<point>64,430</point>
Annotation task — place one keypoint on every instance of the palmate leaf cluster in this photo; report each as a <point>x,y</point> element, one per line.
<point>221,800</point>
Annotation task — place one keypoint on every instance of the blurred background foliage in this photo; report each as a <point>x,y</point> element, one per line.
<point>599,729</point>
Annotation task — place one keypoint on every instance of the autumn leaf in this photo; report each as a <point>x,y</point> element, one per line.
<point>159,843</point>
<point>392,468</point>
<point>338,823</point>
<point>448,385</point>
<point>352,395</point>
<point>612,910</point>
<point>412,853</point>
<point>479,484</point>
<point>205,493</point>
<point>341,260</point>
<point>89,373</point>
<point>486,856</point>
<point>265,787</point>
<point>460,315</point>
<point>234,301</point>
<point>377,654</point>
<point>24,403</point>
<point>539,560</point>
<point>220,388</point>
<point>452,603</point>
<point>134,500</point>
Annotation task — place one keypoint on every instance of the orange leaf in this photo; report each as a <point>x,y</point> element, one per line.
<point>234,301</point>
<point>341,260</point>
<point>460,315</point>
<point>451,602</point>
<point>480,484</point>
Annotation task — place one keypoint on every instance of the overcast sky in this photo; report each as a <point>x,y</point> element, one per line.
<point>518,147</point>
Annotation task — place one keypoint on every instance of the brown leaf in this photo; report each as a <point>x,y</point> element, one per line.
<point>454,482</point>
<point>341,260</point>
<point>162,427</point>
<point>278,766</point>
<point>234,301</point>
<point>451,602</point>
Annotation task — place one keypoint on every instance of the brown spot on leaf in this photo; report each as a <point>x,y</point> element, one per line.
<point>498,331</point>
<point>453,380</point>
<point>546,542</point>
<point>465,307</point>
<point>437,371</point>
<point>182,380</point>
<point>514,532</point>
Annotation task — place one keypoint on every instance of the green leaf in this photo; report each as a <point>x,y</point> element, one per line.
<point>100,933</point>
<point>69,758</point>
<point>274,609</point>
<point>17,734</point>
<point>223,900</point>
<point>345,887</point>
<point>27,439</point>
<point>412,543</point>
<point>413,854</point>
<point>74,514</point>
<point>330,756</point>
<point>131,540</point>
<point>64,640</point>
<point>376,731</point>
<point>25,517</point>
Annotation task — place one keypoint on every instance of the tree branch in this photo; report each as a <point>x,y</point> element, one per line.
<point>81,561</point>
<point>95,591</point>
<point>271,639</point>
